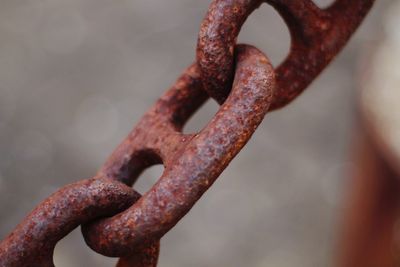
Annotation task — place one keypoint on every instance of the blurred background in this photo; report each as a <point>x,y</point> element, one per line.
<point>77,75</point>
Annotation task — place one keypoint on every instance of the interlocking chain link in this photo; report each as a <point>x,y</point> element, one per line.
<point>242,80</point>
<point>317,35</point>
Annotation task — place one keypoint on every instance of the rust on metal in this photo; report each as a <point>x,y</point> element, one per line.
<point>193,162</point>
<point>116,221</point>
<point>317,36</point>
<point>32,243</point>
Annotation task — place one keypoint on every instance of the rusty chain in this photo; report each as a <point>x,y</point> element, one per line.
<point>119,222</point>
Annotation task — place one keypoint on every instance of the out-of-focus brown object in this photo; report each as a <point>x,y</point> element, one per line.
<point>371,234</point>
<point>372,209</point>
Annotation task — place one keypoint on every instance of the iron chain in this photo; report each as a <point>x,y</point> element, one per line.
<point>119,222</point>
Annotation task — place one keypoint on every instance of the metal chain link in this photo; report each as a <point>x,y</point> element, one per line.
<point>246,85</point>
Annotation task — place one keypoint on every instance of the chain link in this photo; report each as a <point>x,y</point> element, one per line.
<point>246,85</point>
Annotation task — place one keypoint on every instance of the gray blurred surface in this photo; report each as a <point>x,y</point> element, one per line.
<point>380,107</point>
<point>77,75</point>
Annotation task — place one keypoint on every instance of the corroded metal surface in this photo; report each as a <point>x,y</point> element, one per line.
<point>32,243</point>
<point>242,80</point>
<point>192,162</point>
<point>317,36</point>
